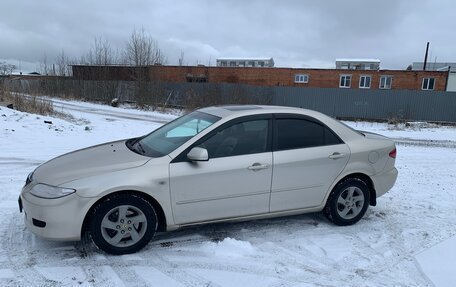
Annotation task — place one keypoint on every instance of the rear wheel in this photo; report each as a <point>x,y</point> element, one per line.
<point>348,202</point>
<point>123,224</point>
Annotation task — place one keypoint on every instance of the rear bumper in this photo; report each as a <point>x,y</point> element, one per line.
<point>384,181</point>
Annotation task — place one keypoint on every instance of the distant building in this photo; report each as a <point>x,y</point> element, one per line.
<point>245,62</point>
<point>292,77</point>
<point>449,67</point>
<point>435,66</point>
<point>357,64</point>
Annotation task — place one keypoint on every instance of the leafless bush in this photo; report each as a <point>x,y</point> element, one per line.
<point>6,68</point>
<point>209,95</point>
<point>198,98</point>
<point>396,120</point>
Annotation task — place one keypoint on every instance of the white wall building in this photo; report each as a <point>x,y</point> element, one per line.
<point>434,66</point>
<point>451,83</point>
<point>245,62</point>
<point>357,64</point>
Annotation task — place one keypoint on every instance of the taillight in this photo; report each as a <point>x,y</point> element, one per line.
<point>393,153</point>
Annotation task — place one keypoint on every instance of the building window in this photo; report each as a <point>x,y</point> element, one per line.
<point>385,82</point>
<point>251,64</point>
<point>428,84</point>
<point>345,81</point>
<point>232,64</point>
<point>301,78</point>
<point>196,79</point>
<point>260,63</point>
<point>223,63</point>
<point>364,82</point>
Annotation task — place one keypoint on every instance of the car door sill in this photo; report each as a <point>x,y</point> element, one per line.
<point>258,216</point>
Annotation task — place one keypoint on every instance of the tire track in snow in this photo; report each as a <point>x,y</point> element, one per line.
<point>19,161</point>
<point>114,114</point>
<point>25,259</point>
<point>425,143</point>
<point>20,258</point>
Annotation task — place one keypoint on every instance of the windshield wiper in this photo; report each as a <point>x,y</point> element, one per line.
<point>140,148</point>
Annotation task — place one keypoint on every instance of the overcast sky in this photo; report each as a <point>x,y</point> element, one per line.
<point>297,33</point>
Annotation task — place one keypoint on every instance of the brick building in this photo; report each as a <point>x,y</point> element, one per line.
<point>314,78</point>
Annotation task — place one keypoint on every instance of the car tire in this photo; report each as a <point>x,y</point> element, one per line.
<point>122,224</point>
<point>347,202</point>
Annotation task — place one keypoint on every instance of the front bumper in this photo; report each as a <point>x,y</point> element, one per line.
<point>55,219</point>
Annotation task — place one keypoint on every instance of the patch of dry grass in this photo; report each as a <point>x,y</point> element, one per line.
<point>28,104</point>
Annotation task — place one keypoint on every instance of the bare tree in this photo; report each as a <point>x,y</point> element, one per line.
<point>142,50</point>
<point>45,68</point>
<point>181,58</point>
<point>63,65</point>
<point>101,53</point>
<point>6,69</point>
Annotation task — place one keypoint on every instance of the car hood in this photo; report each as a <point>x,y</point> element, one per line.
<point>90,161</point>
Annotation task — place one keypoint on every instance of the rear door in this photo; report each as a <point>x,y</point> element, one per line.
<point>307,156</point>
<point>235,181</point>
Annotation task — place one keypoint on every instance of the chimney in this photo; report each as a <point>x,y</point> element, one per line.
<point>425,57</point>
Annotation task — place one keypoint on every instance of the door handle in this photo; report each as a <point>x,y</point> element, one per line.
<point>257,166</point>
<point>336,155</point>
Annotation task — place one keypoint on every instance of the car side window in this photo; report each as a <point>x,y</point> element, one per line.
<point>247,137</point>
<point>302,133</point>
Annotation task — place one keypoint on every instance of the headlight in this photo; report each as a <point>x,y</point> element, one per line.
<point>29,178</point>
<point>49,191</point>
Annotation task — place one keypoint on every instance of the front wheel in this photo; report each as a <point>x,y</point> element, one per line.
<point>123,224</point>
<point>348,202</point>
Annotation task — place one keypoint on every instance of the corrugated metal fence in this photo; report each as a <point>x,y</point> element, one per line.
<point>342,103</point>
<point>372,104</point>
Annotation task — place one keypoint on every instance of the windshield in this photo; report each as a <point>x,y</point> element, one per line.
<point>172,135</point>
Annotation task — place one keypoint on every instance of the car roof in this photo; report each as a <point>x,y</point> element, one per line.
<point>243,110</point>
<point>229,112</point>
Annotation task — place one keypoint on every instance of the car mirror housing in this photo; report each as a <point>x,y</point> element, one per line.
<point>198,154</point>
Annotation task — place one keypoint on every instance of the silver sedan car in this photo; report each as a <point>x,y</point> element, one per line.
<point>215,164</point>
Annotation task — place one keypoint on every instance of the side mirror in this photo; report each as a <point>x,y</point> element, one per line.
<point>198,154</point>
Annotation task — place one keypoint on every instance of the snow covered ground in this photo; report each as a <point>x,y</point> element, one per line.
<point>408,239</point>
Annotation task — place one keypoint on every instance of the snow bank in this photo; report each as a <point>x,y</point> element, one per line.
<point>229,247</point>
<point>438,263</point>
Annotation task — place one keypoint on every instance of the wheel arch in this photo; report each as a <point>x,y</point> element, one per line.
<point>366,179</point>
<point>157,207</point>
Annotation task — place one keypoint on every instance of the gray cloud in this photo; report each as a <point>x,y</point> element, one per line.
<point>296,33</point>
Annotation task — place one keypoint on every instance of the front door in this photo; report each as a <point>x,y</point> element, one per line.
<point>234,182</point>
